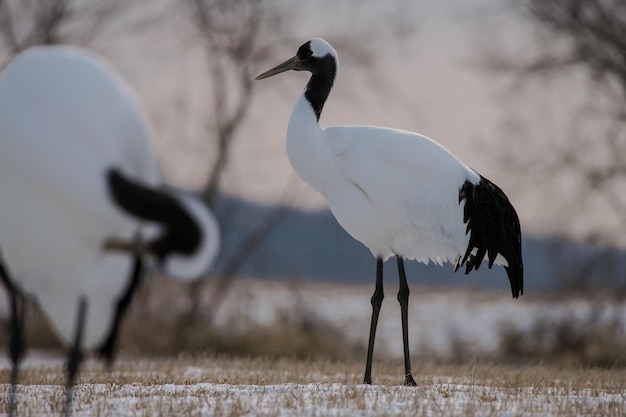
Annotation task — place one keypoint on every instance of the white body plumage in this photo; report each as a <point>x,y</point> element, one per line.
<point>66,119</point>
<point>367,173</point>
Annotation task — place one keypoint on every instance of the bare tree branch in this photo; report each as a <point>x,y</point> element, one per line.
<point>6,27</point>
<point>595,31</point>
<point>26,23</point>
<point>589,37</point>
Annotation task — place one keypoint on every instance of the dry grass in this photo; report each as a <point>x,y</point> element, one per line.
<point>590,341</point>
<point>219,385</point>
<point>301,365</point>
<point>158,329</point>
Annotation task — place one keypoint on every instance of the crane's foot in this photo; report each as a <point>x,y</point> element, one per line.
<point>409,381</point>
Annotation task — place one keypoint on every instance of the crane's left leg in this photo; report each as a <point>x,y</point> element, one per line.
<point>403,299</point>
<point>16,345</point>
<point>107,350</point>
<point>377,301</point>
<point>75,357</point>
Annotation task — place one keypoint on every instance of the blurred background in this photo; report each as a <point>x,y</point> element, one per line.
<point>529,93</point>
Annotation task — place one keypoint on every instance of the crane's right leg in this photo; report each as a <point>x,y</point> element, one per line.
<point>16,341</point>
<point>75,357</point>
<point>377,301</point>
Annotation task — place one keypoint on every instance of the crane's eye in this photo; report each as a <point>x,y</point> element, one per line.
<point>304,51</point>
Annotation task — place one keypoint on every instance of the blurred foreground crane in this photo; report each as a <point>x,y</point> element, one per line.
<point>82,204</point>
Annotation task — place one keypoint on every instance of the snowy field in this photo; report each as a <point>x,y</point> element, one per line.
<point>441,399</point>
<point>222,387</point>
<point>262,387</point>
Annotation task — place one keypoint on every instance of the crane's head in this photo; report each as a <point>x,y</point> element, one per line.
<point>314,56</point>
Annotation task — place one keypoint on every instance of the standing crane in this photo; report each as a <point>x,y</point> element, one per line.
<point>399,193</point>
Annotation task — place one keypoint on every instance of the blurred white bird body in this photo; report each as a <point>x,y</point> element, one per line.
<point>66,119</point>
<point>82,204</point>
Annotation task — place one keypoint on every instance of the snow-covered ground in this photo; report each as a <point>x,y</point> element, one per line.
<point>438,318</point>
<point>325,399</point>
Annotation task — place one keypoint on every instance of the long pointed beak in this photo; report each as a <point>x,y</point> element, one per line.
<point>290,64</point>
<point>134,247</point>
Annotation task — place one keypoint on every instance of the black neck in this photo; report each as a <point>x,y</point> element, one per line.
<point>181,232</point>
<point>320,84</point>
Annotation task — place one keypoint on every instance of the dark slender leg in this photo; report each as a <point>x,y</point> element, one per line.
<point>108,350</point>
<point>377,301</point>
<point>16,346</point>
<point>16,341</point>
<point>403,299</point>
<point>75,357</point>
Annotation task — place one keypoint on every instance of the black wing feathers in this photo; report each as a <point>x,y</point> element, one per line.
<point>494,228</point>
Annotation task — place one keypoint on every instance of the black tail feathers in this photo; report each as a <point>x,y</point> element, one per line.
<point>494,228</point>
